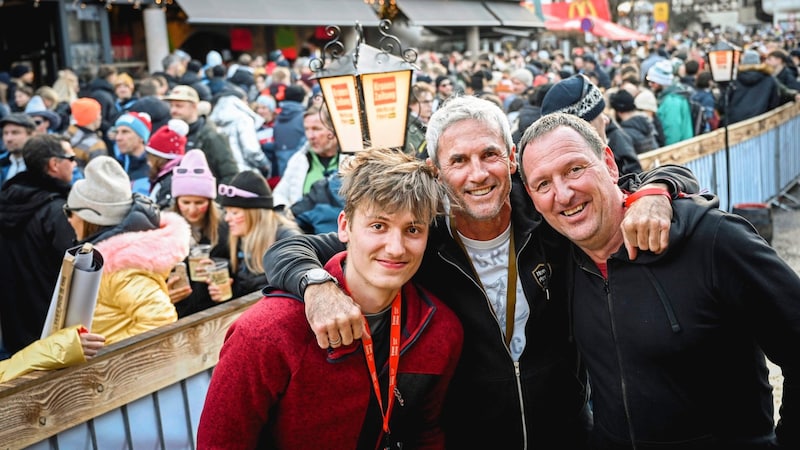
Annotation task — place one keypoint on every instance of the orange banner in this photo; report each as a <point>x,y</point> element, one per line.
<point>577,9</point>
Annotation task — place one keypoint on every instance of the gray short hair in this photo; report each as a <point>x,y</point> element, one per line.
<point>466,107</point>
<point>547,124</point>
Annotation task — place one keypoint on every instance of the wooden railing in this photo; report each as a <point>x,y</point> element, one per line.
<point>38,409</point>
<point>40,405</point>
<point>764,157</point>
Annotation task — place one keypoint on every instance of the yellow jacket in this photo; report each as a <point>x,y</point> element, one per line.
<point>133,296</point>
<point>60,349</point>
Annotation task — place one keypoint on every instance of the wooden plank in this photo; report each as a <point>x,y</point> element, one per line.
<point>42,405</point>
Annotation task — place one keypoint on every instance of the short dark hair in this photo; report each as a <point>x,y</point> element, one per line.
<point>691,66</point>
<point>703,80</point>
<point>38,150</point>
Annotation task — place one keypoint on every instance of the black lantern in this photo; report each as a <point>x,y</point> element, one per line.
<point>366,90</point>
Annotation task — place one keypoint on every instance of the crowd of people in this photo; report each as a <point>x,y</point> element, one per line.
<point>496,297</point>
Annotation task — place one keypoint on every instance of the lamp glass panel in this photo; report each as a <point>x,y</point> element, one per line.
<point>721,63</point>
<point>386,107</point>
<point>341,97</point>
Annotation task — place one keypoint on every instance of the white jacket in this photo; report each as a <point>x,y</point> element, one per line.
<point>289,189</point>
<point>239,123</point>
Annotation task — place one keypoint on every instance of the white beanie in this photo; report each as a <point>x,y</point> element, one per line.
<point>661,73</point>
<point>104,196</point>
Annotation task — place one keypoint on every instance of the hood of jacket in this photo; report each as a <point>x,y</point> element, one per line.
<point>25,194</point>
<point>752,75</point>
<point>101,84</point>
<point>638,122</point>
<point>229,109</point>
<point>290,110</point>
<point>155,250</point>
<point>684,220</point>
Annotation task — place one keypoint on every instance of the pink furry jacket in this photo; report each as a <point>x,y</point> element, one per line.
<point>133,294</point>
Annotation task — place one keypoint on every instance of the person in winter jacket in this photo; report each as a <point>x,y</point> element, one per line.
<point>274,387</point>
<point>253,226</point>
<point>653,331</point>
<point>238,122</point>
<point>102,89</point>
<point>754,92</point>
<point>194,189</point>
<point>316,160</point>
<point>84,134</point>
<point>139,246</point>
<point>64,348</point>
<point>519,374</point>
<point>34,234</point>
<point>288,130</point>
<point>203,134</point>
<point>673,107</point>
<point>635,123</point>
<point>782,68</point>
<point>164,150</point>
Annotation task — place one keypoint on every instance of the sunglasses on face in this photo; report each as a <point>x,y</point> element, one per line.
<point>231,191</point>
<point>68,211</point>
<point>71,158</point>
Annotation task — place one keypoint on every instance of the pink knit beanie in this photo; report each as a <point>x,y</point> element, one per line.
<point>193,177</point>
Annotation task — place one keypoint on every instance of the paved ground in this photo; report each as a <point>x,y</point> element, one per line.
<point>786,241</point>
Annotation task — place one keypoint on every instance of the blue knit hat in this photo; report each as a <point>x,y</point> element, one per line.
<point>139,122</point>
<point>575,95</point>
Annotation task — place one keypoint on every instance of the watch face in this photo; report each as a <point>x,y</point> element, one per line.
<point>318,276</point>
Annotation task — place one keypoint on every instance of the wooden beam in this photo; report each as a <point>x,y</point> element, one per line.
<point>42,404</point>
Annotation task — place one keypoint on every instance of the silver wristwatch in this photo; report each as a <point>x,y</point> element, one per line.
<point>315,276</point>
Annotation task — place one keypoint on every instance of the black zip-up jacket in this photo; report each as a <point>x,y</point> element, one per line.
<point>34,234</point>
<point>539,402</point>
<point>673,342</point>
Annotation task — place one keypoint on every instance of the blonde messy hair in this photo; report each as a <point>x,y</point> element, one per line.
<point>390,180</point>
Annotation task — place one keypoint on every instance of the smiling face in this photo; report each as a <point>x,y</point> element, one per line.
<point>575,190</point>
<point>236,218</point>
<point>193,209</point>
<point>476,168</point>
<point>384,250</point>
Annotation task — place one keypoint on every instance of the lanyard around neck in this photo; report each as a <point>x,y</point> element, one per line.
<point>394,358</point>
<point>394,361</point>
<point>511,286</point>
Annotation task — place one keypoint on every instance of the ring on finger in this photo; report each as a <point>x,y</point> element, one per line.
<point>336,341</point>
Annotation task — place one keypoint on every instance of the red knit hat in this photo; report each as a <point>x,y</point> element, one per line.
<point>169,141</point>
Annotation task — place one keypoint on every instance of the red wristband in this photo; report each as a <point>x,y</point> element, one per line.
<point>642,192</point>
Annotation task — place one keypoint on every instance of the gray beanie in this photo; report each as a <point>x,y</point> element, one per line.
<point>524,76</point>
<point>105,194</point>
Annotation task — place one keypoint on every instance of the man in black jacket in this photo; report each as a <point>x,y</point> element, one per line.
<point>674,342</point>
<point>520,383</point>
<point>34,234</point>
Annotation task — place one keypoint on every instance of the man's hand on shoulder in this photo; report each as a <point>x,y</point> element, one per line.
<point>334,317</point>
<point>646,223</point>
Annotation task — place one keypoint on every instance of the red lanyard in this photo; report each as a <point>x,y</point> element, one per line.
<point>394,360</point>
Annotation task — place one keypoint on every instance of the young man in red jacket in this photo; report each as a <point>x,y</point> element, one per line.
<point>274,387</point>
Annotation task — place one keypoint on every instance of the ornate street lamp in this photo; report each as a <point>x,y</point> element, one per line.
<point>723,62</point>
<point>366,90</point>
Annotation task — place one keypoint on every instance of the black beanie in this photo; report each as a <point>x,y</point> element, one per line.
<point>251,183</point>
<point>577,96</point>
<point>622,101</point>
